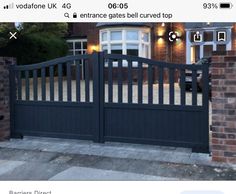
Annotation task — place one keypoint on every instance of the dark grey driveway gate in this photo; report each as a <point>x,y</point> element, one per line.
<point>110,105</point>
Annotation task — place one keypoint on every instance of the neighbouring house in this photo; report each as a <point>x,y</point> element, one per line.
<point>169,42</point>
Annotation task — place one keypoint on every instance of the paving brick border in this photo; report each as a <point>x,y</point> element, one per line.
<point>5,62</point>
<point>224,107</point>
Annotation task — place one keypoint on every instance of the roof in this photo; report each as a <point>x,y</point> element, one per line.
<point>193,25</point>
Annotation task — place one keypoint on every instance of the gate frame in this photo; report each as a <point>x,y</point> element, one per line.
<point>98,59</point>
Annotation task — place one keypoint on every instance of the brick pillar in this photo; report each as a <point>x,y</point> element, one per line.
<point>224,107</point>
<point>5,62</point>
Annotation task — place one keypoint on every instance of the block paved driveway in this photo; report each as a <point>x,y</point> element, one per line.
<point>60,159</point>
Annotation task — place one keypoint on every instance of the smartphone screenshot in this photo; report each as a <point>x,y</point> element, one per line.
<point>117,96</point>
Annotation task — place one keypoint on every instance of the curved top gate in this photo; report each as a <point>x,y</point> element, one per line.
<point>120,98</point>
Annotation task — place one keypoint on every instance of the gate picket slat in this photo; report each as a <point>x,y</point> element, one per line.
<point>171,86</point>
<point>35,84</point>
<point>150,84</point>
<point>120,92</point>
<point>182,87</point>
<point>194,87</point>
<point>51,83</point>
<point>19,85</point>
<point>87,95</point>
<point>130,84</point>
<point>27,89</point>
<point>60,83</point>
<point>68,72</point>
<point>110,81</point>
<point>140,83</point>
<point>160,85</point>
<point>43,79</point>
<point>78,77</point>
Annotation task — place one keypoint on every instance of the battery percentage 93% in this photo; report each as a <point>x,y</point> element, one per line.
<point>210,6</point>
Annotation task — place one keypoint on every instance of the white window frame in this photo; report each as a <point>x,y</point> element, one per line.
<point>81,51</point>
<point>189,44</point>
<point>81,41</point>
<point>124,41</point>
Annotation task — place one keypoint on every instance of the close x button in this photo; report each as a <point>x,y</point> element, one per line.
<point>12,35</point>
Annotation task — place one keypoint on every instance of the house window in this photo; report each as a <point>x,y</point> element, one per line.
<point>116,48</point>
<point>104,36</point>
<point>126,41</point>
<point>132,35</point>
<point>221,47</point>
<point>77,46</point>
<point>207,50</point>
<point>132,49</point>
<point>116,35</point>
<point>212,39</point>
<point>208,36</point>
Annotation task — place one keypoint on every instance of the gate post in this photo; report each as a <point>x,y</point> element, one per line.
<point>98,88</point>
<point>223,139</point>
<point>101,96</point>
<point>6,118</point>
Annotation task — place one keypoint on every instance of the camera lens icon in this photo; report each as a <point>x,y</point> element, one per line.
<point>174,36</point>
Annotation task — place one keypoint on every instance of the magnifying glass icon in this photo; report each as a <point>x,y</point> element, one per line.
<point>66,15</point>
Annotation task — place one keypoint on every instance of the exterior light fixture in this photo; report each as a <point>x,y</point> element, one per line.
<point>94,48</point>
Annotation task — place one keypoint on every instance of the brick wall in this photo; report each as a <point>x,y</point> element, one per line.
<point>224,107</point>
<point>4,97</point>
<point>163,50</point>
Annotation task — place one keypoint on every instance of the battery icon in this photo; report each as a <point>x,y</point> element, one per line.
<point>226,5</point>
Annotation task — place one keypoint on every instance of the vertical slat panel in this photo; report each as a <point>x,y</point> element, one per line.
<point>130,85</point>
<point>194,87</point>
<point>78,77</point>
<point>43,79</point>
<point>140,83</point>
<point>110,81</point>
<point>150,84</point>
<point>35,84</point>
<point>182,87</point>
<point>19,85</point>
<point>160,83</point>
<point>68,73</point>
<point>27,89</point>
<point>120,92</point>
<point>171,86</point>
<point>86,81</point>
<point>51,83</point>
<point>60,83</point>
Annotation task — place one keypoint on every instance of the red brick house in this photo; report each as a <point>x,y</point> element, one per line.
<point>153,40</point>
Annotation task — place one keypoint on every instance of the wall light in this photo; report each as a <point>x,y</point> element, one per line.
<point>160,41</point>
<point>94,48</point>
